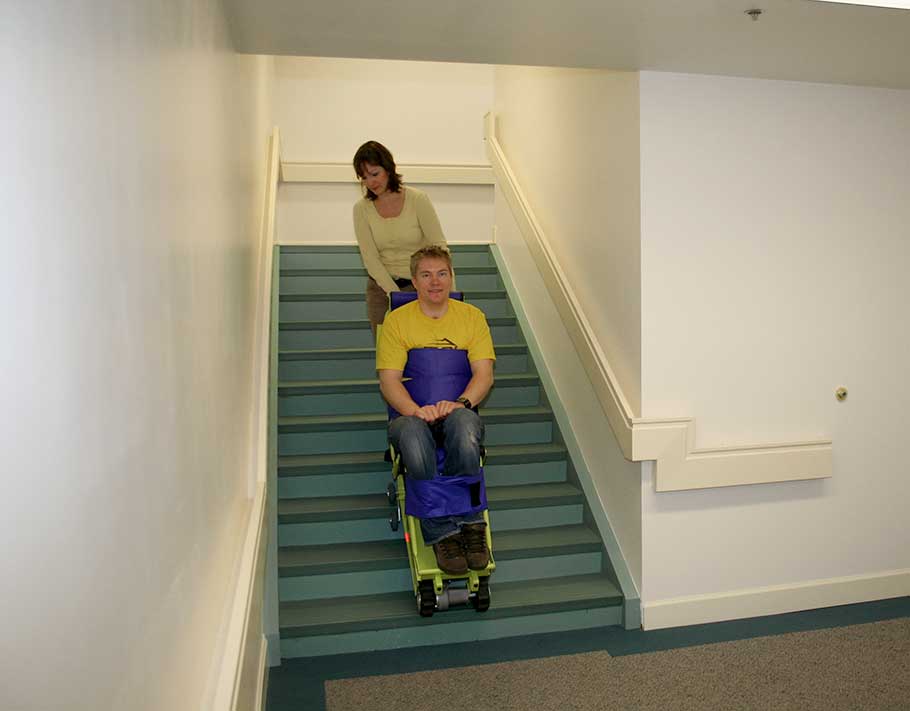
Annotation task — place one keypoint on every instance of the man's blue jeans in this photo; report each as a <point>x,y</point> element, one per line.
<point>462,434</point>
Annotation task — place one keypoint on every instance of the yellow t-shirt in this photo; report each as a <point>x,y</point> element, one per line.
<point>464,327</point>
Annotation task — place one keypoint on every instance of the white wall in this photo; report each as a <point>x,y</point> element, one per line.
<point>774,250</point>
<point>132,144</point>
<point>424,112</point>
<point>571,136</point>
<point>617,482</point>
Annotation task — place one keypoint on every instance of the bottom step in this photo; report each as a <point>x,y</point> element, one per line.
<point>390,621</point>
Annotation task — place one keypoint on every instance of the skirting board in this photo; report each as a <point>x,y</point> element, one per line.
<point>669,442</point>
<point>774,600</point>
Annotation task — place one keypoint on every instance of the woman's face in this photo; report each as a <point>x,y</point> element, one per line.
<point>375,178</point>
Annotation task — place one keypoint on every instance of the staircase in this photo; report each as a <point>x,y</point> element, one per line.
<point>344,584</point>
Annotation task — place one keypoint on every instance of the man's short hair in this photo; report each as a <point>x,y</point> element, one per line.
<point>434,251</point>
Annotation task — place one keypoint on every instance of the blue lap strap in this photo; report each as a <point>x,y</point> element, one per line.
<point>445,496</point>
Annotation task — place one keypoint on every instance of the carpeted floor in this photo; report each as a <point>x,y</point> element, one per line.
<point>848,657</point>
<point>857,667</point>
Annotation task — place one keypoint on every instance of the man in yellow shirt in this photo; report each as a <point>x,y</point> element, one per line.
<point>435,321</point>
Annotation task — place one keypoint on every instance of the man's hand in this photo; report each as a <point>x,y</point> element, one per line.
<point>428,413</point>
<point>446,407</point>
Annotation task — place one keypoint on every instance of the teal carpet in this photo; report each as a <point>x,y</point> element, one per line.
<point>299,684</point>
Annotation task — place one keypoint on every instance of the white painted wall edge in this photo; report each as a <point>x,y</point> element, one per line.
<point>774,600</point>
<point>230,675</point>
<point>443,173</point>
<point>667,441</point>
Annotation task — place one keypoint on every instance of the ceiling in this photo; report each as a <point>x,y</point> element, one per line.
<point>792,39</point>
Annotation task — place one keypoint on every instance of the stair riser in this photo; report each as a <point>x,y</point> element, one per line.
<point>358,368</point>
<point>513,519</point>
<point>437,634</point>
<point>333,284</point>
<point>363,337</point>
<point>350,310</point>
<point>348,259</point>
<point>365,403</point>
<point>375,482</point>
<point>375,582</point>
<point>301,487</point>
<point>324,533</point>
<point>330,404</point>
<point>377,528</point>
<point>372,439</point>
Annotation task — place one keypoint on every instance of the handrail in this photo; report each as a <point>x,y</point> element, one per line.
<point>669,442</point>
<point>263,300</point>
<point>267,355</point>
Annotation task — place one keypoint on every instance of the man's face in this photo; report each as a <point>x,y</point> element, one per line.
<point>433,280</point>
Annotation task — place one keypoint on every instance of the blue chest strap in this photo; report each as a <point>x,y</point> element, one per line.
<point>434,374</point>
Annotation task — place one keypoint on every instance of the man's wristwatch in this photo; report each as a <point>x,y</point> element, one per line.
<point>464,401</point>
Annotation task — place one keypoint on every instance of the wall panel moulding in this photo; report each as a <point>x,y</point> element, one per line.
<point>669,442</point>
<point>442,173</point>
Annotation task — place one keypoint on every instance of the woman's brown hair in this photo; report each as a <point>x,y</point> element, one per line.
<point>374,153</point>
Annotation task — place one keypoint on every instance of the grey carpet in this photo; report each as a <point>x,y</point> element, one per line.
<point>864,666</point>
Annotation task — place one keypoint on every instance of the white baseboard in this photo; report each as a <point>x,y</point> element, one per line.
<point>774,600</point>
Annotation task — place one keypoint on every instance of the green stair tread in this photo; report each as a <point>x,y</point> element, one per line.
<point>337,508</point>
<point>343,463</point>
<point>525,453</point>
<point>317,272</point>
<point>346,462</point>
<point>324,296</point>
<point>369,353</point>
<point>354,249</point>
<point>360,271</point>
<point>328,387</point>
<point>551,540</point>
<point>331,508</point>
<point>397,610</point>
<point>327,353</point>
<point>375,555</point>
<point>315,423</point>
<point>367,384</point>
<point>339,325</point>
<point>528,495</point>
<point>474,294</point>
<point>341,557</point>
<point>319,249</point>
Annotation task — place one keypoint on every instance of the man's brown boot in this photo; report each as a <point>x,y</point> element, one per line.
<point>449,556</point>
<point>474,540</point>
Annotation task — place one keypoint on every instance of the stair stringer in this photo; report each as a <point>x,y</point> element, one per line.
<point>614,553</point>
